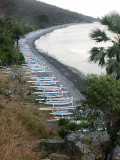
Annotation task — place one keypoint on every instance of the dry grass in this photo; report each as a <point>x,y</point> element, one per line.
<point>20,121</point>
<point>10,152</point>
<point>33,125</point>
<point>11,133</point>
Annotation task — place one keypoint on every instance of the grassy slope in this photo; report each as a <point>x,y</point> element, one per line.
<point>20,120</point>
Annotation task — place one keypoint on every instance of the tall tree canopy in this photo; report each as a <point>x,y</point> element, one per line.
<point>108,56</point>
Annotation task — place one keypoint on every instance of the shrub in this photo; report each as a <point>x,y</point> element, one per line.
<point>63,132</point>
<point>72,126</point>
<point>63,122</point>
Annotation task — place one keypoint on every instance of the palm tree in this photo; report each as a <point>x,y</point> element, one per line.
<point>109,56</point>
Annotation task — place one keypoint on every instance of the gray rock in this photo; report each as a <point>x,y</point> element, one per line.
<point>117,151</point>
<point>95,138</point>
<point>86,139</point>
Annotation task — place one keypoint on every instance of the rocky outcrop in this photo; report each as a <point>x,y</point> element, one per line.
<point>89,143</point>
<point>117,153</point>
<point>63,147</point>
<point>95,138</point>
<point>76,145</point>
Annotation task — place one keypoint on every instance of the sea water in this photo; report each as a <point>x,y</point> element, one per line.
<point>71,46</point>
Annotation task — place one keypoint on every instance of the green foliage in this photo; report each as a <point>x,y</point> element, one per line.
<point>44,156</point>
<point>63,132</point>
<point>102,92</point>
<point>97,55</point>
<point>11,32</point>
<point>112,21</point>
<point>63,122</point>
<point>72,126</point>
<point>17,31</point>
<point>103,105</point>
<point>108,56</point>
<point>65,126</point>
<point>1,91</point>
<point>99,35</point>
<point>21,59</point>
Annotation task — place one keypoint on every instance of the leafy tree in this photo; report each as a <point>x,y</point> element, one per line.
<point>110,56</point>
<point>9,23</point>
<point>11,31</point>
<point>17,32</point>
<point>103,97</point>
<point>8,55</point>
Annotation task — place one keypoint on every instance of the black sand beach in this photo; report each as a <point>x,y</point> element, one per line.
<point>69,77</point>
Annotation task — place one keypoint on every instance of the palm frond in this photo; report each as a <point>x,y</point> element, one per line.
<point>112,21</point>
<point>97,55</point>
<point>113,66</point>
<point>105,20</point>
<point>114,51</point>
<point>99,35</point>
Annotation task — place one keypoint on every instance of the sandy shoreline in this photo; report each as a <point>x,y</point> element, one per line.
<point>70,77</point>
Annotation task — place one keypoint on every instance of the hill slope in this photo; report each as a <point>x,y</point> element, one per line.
<point>30,11</point>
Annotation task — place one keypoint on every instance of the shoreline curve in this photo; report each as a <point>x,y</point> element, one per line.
<point>70,77</point>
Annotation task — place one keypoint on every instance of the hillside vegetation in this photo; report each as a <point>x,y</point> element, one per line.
<point>10,32</point>
<point>21,123</point>
<point>39,13</point>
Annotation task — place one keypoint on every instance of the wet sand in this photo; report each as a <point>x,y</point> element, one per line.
<point>69,77</point>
